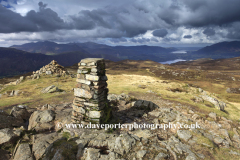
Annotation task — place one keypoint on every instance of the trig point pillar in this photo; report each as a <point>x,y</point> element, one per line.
<point>90,103</point>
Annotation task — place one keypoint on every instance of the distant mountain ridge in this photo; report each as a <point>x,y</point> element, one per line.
<point>15,61</point>
<point>47,47</point>
<point>53,48</point>
<point>220,48</point>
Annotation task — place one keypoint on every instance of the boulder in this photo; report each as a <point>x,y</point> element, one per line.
<point>143,133</point>
<point>23,152</point>
<point>141,153</point>
<point>20,112</point>
<point>9,121</point>
<point>7,135</point>
<point>161,156</point>
<point>218,104</point>
<point>41,142</point>
<point>184,134</point>
<point>91,154</point>
<point>50,89</point>
<point>123,144</point>
<point>61,149</point>
<point>42,120</point>
<point>213,115</point>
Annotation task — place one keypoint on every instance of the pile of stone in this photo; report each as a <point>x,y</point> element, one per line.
<point>90,103</point>
<point>50,69</point>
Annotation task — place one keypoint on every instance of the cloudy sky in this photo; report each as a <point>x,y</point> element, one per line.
<point>120,22</point>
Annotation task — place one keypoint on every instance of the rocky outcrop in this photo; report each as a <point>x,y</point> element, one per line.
<point>42,120</point>
<point>20,112</point>
<point>8,121</point>
<point>7,135</point>
<point>50,89</point>
<point>23,152</point>
<point>233,90</point>
<point>217,103</point>
<point>41,142</point>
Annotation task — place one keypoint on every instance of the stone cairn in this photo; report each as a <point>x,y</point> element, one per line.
<point>52,68</point>
<point>90,103</point>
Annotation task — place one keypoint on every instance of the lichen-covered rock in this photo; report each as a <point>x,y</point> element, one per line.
<point>41,142</point>
<point>20,112</point>
<point>23,152</point>
<point>7,135</point>
<point>9,121</point>
<point>50,89</point>
<point>61,149</point>
<point>184,134</point>
<point>41,120</point>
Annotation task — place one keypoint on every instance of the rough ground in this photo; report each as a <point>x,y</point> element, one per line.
<point>36,121</point>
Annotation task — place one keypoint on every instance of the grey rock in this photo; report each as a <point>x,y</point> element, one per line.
<point>123,144</point>
<point>41,119</point>
<point>213,115</point>
<point>23,152</point>
<point>141,153</point>
<point>48,72</point>
<point>191,157</point>
<point>7,135</point>
<point>60,149</point>
<point>201,156</point>
<point>50,89</point>
<point>234,153</point>
<point>218,140</point>
<point>21,112</point>
<point>169,117</point>
<point>112,97</point>
<point>195,116</point>
<point>41,142</point>
<point>9,121</point>
<point>0,95</point>
<point>191,111</point>
<point>143,133</point>
<point>184,134</point>
<point>16,92</point>
<point>161,156</point>
<point>218,104</point>
<point>91,154</point>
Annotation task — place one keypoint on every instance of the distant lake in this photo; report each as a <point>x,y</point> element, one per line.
<point>180,52</point>
<point>172,61</point>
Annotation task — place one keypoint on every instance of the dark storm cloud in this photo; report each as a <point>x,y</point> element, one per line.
<point>160,33</point>
<point>46,19</point>
<point>209,32</point>
<point>214,12</point>
<point>187,36</point>
<point>130,18</point>
<point>234,31</point>
<point>14,22</point>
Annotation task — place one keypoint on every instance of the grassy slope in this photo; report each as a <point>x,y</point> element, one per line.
<point>122,81</point>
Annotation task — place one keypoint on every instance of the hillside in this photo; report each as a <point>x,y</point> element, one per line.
<point>232,47</point>
<point>140,92</point>
<point>48,48</point>
<point>15,62</point>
